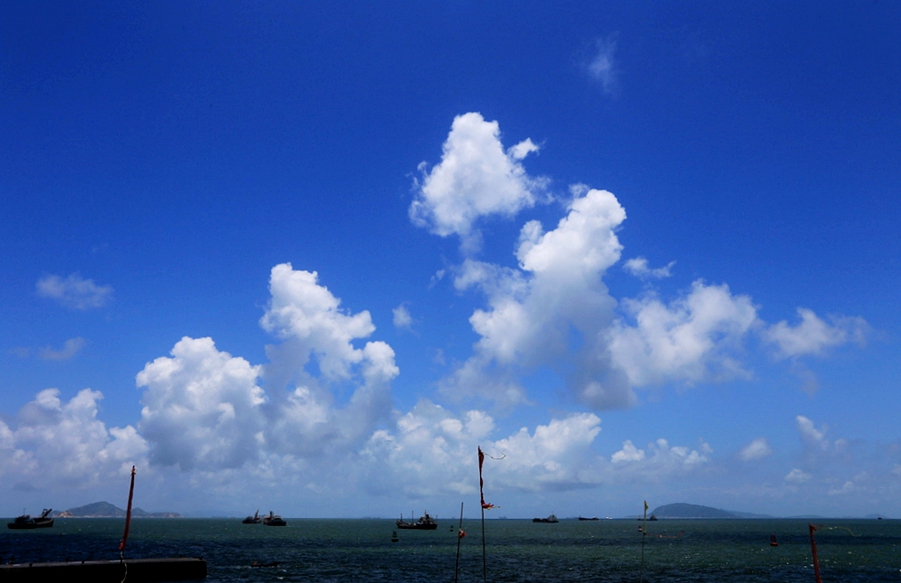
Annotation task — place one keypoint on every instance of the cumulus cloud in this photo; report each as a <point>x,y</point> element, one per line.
<point>201,407</point>
<point>658,461</point>
<point>74,291</point>
<point>757,449</point>
<point>692,339</point>
<point>533,310</point>
<point>553,309</point>
<point>476,178</point>
<point>813,336</point>
<point>638,266</point>
<point>63,444</point>
<point>207,410</point>
<point>304,311</point>
<point>70,348</point>
<point>603,67</point>
<point>629,453</point>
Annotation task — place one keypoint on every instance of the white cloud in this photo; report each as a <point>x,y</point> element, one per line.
<point>660,461</point>
<point>402,318</point>
<point>74,291</point>
<point>692,339</point>
<point>476,178</point>
<point>812,336</point>
<point>808,431</point>
<point>63,445</point>
<point>757,449</point>
<point>307,313</point>
<point>797,476</point>
<point>70,348</point>
<point>638,266</point>
<point>629,453</point>
<point>532,311</point>
<point>847,488</point>
<point>201,407</point>
<point>603,65</point>
<point>815,439</point>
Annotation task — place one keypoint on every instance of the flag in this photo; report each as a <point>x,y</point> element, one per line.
<point>461,533</point>
<point>485,505</point>
<point>645,505</point>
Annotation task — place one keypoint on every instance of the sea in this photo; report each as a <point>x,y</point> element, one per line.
<point>514,551</point>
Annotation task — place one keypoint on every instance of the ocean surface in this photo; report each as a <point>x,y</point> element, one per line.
<point>850,551</point>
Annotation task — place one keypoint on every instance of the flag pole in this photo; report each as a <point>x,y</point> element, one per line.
<point>484,553</point>
<point>644,522</point>
<point>460,535</point>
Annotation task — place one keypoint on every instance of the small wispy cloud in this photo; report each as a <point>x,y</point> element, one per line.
<point>639,268</point>
<point>74,291</point>
<point>602,67</point>
<point>757,449</point>
<point>70,348</point>
<point>402,318</point>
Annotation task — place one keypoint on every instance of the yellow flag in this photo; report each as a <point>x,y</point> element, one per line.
<point>646,505</point>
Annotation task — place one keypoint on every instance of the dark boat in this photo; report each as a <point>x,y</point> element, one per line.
<point>425,522</point>
<point>274,520</point>
<point>255,519</point>
<point>26,522</point>
<point>550,519</point>
<point>592,518</point>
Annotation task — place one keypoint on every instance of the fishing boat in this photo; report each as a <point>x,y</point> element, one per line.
<point>274,520</point>
<point>26,522</point>
<point>255,519</point>
<point>425,522</point>
<point>550,519</point>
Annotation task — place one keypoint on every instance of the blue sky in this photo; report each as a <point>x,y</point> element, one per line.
<point>309,256</point>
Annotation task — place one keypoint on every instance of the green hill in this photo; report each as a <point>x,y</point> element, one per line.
<point>682,510</point>
<point>107,510</point>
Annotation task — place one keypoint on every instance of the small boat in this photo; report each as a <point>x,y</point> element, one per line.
<point>550,519</point>
<point>425,522</point>
<point>274,520</point>
<point>26,522</point>
<point>255,519</point>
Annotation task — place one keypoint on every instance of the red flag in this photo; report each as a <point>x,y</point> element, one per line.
<point>461,533</point>
<point>485,505</point>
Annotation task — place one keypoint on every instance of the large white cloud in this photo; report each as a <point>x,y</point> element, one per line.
<point>201,407</point>
<point>533,310</point>
<point>476,178</point>
<point>58,444</point>
<point>692,339</point>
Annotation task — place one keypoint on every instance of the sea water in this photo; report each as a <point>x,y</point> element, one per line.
<point>514,551</point>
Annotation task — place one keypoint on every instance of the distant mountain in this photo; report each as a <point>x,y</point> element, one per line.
<point>107,510</point>
<point>682,510</point>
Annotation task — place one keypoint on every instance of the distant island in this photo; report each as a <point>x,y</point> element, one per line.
<point>107,510</point>
<point>682,510</point>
